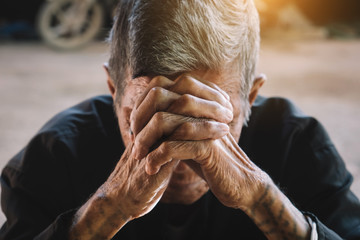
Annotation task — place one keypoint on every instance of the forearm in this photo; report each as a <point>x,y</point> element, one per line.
<point>277,217</point>
<point>97,220</point>
<point>100,217</point>
<point>128,193</point>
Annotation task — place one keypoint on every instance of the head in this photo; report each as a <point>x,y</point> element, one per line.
<point>215,39</point>
<point>154,37</point>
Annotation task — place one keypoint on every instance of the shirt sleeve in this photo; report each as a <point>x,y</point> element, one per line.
<point>59,229</point>
<point>317,181</point>
<point>312,224</point>
<point>36,192</point>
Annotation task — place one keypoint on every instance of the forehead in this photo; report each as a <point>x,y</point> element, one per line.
<point>133,89</point>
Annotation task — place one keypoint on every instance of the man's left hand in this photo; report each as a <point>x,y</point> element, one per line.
<point>232,177</point>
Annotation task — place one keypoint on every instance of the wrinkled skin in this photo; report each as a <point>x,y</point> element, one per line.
<point>171,110</point>
<point>181,140</point>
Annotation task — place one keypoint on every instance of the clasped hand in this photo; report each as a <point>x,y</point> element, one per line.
<point>184,119</point>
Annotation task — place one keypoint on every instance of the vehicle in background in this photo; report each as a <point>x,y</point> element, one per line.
<point>71,24</point>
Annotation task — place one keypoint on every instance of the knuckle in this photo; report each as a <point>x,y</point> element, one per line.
<point>187,81</point>
<point>156,92</point>
<point>201,151</point>
<point>158,80</point>
<point>212,130</point>
<point>185,104</point>
<point>164,148</point>
<point>186,99</point>
<point>138,142</point>
<point>187,127</point>
<point>205,151</point>
<point>159,117</point>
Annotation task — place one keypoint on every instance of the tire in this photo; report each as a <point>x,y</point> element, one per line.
<point>48,24</point>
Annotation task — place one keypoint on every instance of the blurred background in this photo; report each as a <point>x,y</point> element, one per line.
<point>51,56</point>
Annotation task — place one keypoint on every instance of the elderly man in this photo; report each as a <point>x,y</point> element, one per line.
<point>173,161</point>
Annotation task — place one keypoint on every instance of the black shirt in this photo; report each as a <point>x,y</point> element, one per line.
<point>75,152</point>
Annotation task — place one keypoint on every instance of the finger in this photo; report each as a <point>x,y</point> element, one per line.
<point>158,81</point>
<point>210,84</point>
<point>238,152</point>
<point>189,105</point>
<point>158,99</point>
<point>213,85</point>
<point>195,131</point>
<point>186,84</point>
<point>155,185</point>
<point>166,170</point>
<point>161,124</point>
<point>164,124</point>
<point>151,171</point>
<point>174,150</point>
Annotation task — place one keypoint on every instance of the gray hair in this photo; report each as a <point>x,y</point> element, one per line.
<point>168,37</point>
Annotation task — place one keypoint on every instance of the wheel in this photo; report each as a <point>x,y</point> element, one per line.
<point>69,24</point>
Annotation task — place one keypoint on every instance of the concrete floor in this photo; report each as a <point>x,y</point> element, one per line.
<point>321,76</point>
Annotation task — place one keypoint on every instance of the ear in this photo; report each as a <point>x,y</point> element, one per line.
<point>109,81</point>
<point>257,84</point>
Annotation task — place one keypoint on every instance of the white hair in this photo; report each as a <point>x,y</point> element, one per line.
<point>168,37</point>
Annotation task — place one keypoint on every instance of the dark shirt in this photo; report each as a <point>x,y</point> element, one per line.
<point>75,152</point>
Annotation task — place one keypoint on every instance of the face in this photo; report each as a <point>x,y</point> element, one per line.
<point>185,186</point>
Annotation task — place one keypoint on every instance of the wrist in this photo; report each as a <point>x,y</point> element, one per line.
<point>276,216</point>
<point>98,218</point>
<point>264,196</point>
<point>110,207</point>
<point>262,190</point>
